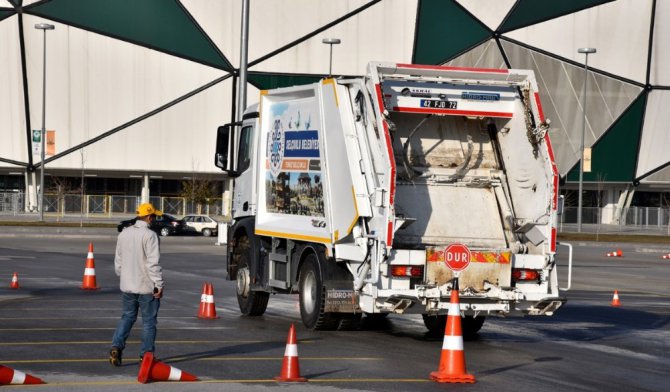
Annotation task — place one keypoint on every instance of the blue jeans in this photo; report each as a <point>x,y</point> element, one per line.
<point>149,307</point>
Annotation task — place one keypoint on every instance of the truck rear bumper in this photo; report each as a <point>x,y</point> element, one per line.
<point>435,300</point>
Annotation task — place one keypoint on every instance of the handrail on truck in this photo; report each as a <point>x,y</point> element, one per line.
<point>569,265</point>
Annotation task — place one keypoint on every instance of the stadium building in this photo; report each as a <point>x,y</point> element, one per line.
<point>135,90</point>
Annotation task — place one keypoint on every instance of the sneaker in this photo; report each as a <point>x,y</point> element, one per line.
<point>115,356</point>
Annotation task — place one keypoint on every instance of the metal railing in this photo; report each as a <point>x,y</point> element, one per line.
<point>12,203</point>
<point>613,219</point>
<point>606,219</point>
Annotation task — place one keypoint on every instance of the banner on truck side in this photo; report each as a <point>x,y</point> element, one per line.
<point>293,179</point>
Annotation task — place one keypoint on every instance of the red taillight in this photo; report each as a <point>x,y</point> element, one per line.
<point>407,270</point>
<point>525,274</point>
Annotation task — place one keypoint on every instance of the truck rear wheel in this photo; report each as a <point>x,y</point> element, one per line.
<point>252,303</point>
<point>435,324</point>
<point>470,325</point>
<point>313,297</point>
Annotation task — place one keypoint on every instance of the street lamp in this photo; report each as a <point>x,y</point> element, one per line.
<point>586,52</point>
<point>331,42</point>
<point>44,27</point>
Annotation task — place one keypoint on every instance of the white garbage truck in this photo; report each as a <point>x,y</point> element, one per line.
<point>370,195</point>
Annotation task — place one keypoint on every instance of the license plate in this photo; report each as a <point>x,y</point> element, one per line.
<point>436,104</point>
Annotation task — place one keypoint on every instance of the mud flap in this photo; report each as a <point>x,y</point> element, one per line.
<point>341,301</point>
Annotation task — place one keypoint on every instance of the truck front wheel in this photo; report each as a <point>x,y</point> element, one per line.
<point>313,297</point>
<point>252,303</point>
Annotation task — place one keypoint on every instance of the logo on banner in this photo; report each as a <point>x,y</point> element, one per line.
<point>276,148</point>
<point>37,141</point>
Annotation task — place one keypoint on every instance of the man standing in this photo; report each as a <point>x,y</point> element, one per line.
<point>141,281</point>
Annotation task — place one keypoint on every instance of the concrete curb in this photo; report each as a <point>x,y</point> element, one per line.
<point>56,232</point>
<point>56,236</point>
<point>640,248</point>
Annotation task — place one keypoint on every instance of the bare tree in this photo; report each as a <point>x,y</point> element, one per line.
<point>60,187</point>
<point>198,192</point>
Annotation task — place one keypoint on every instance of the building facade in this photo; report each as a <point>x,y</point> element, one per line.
<point>135,90</point>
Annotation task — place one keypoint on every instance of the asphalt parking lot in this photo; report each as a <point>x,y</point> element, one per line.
<point>52,329</point>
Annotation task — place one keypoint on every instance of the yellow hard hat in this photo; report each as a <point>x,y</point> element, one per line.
<point>147,209</point>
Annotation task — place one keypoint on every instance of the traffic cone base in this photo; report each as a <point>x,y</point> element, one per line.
<point>15,282</point>
<point>9,376</point>
<point>290,370</point>
<point>615,299</point>
<point>155,370</point>
<point>207,308</point>
<point>463,378</point>
<point>89,283</point>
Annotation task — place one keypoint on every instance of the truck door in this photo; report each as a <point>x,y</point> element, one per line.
<point>243,203</point>
<point>234,154</point>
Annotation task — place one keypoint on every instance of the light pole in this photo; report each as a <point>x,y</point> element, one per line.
<point>44,27</point>
<point>331,42</point>
<point>586,52</point>
<point>244,54</point>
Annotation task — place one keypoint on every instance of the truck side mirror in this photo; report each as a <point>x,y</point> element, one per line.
<point>222,147</point>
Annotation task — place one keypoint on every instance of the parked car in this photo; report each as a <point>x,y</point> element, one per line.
<point>163,225</point>
<point>202,224</point>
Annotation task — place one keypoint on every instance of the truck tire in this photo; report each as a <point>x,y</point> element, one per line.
<point>435,324</point>
<point>470,325</point>
<point>313,297</point>
<point>252,303</point>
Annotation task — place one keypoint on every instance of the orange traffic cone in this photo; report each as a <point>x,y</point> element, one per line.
<point>9,376</point>
<point>452,360</point>
<point>15,282</point>
<point>207,307</point>
<point>616,253</point>
<point>615,299</point>
<point>89,282</point>
<point>290,369</point>
<point>152,369</point>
